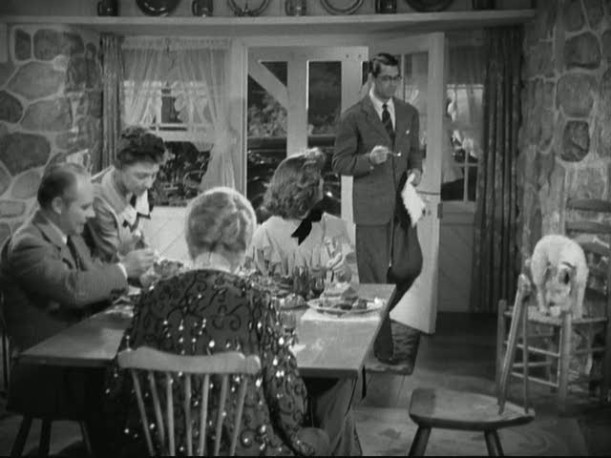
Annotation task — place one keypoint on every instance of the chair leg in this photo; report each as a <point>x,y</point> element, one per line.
<point>500,340</point>
<point>22,435</point>
<point>420,441</point>
<point>565,359</point>
<point>45,438</point>
<point>86,437</point>
<point>493,443</point>
<point>6,359</point>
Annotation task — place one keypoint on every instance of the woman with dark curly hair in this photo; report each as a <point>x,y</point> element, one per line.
<point>122,195</point>
<point>299,233</point>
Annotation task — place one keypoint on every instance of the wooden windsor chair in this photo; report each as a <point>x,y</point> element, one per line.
<point>162,370</point>
<point>456,410</point>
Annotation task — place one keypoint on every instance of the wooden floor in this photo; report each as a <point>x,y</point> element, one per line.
<point>460,356</point>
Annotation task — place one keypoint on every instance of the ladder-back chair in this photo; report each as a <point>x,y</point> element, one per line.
<point>550,356</point>
<point>158,372</point>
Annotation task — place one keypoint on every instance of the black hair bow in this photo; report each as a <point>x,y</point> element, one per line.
<point>304,229</point>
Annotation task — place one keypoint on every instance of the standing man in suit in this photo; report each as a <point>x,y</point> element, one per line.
<point>50,282</point>
<point>377,143</point>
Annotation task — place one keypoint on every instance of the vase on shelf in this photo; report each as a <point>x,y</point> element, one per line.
<point>386,6</point>
<point>108,8</point>
<point>202,8</point>
<point>295,7</point>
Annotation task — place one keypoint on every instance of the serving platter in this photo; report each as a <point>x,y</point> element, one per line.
<point>372,305</point>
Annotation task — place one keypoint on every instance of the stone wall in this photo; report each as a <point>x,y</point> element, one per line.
<point>50,111</point>
<point>565,139</point>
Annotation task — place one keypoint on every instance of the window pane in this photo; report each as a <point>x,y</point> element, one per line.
<point>463,123</point>
<point>324,109</point>
<point>267,126</point>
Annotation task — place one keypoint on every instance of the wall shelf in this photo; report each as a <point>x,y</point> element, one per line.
<point>281,25</point>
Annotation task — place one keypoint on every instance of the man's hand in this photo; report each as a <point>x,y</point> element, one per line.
<point>379,155</point>
<point>417,176</point>
<point>138,261</point>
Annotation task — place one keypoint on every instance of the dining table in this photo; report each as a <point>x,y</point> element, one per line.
<point>327,345</point>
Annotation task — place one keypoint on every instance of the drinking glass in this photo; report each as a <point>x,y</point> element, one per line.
<point>288,321</point>
<point>317,281</point>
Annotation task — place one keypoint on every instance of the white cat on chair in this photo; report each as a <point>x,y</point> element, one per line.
<point>560,273</point>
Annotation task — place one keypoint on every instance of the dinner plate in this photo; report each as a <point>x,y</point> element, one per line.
<point>157,7</point>
<point>372,305</point>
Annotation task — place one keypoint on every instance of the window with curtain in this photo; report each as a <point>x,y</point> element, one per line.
<point>178,87</point>
<point>463,122</point>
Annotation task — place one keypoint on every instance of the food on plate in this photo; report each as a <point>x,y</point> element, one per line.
<point>342,296</point>
<point>162,268</point>
<point>291,301</point>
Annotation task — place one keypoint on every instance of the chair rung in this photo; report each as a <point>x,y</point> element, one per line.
<point>589,227</point>
<point>542,381</point>
<point>594,205</point>
<point>533,364</point>
<point>538,351</point>
<point>587,351</point>
<point>534,317</point>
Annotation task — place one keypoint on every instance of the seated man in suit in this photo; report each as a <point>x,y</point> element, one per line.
<point>50,282</point>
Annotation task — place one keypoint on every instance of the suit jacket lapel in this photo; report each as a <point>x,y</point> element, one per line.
<point>372,116</point>
<point>52,235</point>
<point>402,122</point>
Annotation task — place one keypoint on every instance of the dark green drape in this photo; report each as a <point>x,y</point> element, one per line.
<point>112,81</point>
<point>495,256</point>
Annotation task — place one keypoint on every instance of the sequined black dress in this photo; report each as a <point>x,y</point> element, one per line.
<point>205,312</point>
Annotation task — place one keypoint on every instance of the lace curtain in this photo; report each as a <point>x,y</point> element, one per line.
<point>112,68</point>
<point>196,72</point>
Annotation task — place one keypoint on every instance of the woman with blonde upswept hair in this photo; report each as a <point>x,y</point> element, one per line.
<point>229,314</point>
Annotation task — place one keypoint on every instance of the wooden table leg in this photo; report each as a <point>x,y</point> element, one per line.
<point>420,441</point>
<point>22,435</point>
<point>45,438</point>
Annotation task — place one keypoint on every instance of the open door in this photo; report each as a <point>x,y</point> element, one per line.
<point>422,67</point>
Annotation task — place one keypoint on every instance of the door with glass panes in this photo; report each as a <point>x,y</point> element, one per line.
<point>295,98</point>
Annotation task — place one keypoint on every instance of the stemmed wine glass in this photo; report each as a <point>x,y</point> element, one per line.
<point>333,247</point>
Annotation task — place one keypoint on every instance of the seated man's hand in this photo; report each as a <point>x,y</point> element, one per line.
<point>138,261</point>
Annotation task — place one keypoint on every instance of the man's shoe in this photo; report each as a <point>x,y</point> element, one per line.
<point>391,360</point>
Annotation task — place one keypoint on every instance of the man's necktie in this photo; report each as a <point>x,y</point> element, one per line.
<point>77,259</point>
<point>387,121</point>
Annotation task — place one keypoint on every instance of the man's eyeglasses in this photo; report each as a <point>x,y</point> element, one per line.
<point>390,79</point>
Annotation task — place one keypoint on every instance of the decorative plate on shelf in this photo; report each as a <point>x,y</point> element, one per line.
<point>429,5</point>
<point>241,7</point>
<point>341,6</point>
<point>157,7</point>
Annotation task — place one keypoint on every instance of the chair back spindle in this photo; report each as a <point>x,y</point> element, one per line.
<point>160,366</point>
